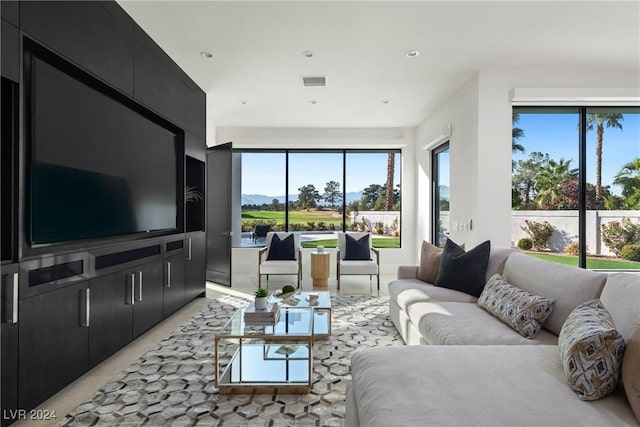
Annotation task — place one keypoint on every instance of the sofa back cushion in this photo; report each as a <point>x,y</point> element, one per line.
<point>497,259</point>
<point>569,286</point>
<point>621,297</point>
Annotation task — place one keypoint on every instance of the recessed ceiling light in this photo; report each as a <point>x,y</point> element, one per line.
<point>385,101</point>
<point>206,54</point>
<point>307,54</point>
<point>313,101</point>
<point>412,53</point>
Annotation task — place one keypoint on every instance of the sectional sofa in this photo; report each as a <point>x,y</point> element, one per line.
<point>471,369</point>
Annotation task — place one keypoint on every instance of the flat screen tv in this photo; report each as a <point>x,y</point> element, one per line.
<point>100,165</point>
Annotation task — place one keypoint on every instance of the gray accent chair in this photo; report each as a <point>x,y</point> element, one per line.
<point>365,267</point>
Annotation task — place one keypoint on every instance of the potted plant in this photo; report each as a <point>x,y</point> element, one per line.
<point>261,299</point>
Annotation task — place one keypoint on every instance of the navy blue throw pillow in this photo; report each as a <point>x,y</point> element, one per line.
<point>357,250</point>
<point>464,271</point>
<point>282,250</point>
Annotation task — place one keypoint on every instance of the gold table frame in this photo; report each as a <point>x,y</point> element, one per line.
<point>255,348</point>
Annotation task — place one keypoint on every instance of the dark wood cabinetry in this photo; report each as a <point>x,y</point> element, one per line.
<point>10,10</point>
<point>174,283</point>
<point>111,324</point>
<point>9,335</point>
<point>10,44</point>
<point>123,306</point>
<point>80,301</point>
<point>87,33</point>
<point>196,113</point>
<point>157,87</point>
<point>195,264</point>
<point>148,291</point>
<point>53,344</point>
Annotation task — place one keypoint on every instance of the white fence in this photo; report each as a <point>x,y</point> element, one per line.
<point>565,224</point>
<point>372,217</point>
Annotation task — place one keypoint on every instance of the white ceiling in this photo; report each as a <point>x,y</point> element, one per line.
<point>360,46</point>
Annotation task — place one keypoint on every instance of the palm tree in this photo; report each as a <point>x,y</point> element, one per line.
<point>610,120</point>
<point>549,179</point>
<point>516,134</point>
<point>388,199</point>
<point>629,178</point>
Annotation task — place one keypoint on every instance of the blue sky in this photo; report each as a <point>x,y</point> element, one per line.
<point>557,134</point>
<point>264,173</point>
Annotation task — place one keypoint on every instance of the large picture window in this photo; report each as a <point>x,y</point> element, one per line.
<point>320,192</point>
<point>576,185</point>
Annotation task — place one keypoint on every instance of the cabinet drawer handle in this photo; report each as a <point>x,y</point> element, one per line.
<point>132,291</point>
<point>168,274</point>
<point>140,285</point>
<point>11,301</point>
<point>86,302</point>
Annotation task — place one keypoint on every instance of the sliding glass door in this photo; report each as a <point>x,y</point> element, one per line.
<point>440,191</point>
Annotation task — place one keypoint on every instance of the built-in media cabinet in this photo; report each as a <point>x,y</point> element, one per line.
<point>102,212</point>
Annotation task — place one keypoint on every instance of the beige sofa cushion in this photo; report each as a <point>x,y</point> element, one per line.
<point>495,386</point>
<point>430,256</point>
<point>621,297</point>
<point>631,371</point>
<point>408,291</point>
<point>569,286</point>
<point>452,323</point>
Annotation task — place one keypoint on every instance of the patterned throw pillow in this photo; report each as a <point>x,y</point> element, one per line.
<point>522,311</point>
<point>591,351</point>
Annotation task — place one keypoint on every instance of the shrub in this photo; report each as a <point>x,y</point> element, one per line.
<point>572,249</point>
<point>380,227</point>
<point>539,232</point>
<point>630,252</point>
<point>618,234</point>
<point>525,243</point>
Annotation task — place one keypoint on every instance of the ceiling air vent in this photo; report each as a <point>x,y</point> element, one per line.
<point>314,80</point>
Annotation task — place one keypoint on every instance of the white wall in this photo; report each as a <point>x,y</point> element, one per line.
<point>461,111</point>
<point>480,114</point>
<point>245,259</point>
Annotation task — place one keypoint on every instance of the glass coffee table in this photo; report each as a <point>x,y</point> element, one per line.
<point>276,358</point>
<point>321,310</point>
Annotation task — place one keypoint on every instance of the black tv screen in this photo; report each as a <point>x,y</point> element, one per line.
<point>98,166</point>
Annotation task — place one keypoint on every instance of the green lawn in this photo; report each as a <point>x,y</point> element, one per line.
<point>378,242</point>
<point>592,263</point>
<point>299,217</point>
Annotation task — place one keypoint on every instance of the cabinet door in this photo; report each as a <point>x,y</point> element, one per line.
<point>10,47</point>
<point>174,284</point>
<point>111,315</point>
<point>9,345</point>
<point>94,36</point>
<point>53,342</point>
<point>196,265</point>
<point>157,87</point>
<point>147,310</point>
<point>196,112</point>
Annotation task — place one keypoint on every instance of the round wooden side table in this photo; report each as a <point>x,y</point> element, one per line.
<point>320,268</point>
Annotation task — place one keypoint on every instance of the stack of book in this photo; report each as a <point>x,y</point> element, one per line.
<point>268,316</point>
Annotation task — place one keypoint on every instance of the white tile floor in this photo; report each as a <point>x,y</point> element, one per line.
<point>243,285</point>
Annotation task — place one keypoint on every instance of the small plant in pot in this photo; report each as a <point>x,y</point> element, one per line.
<point>261,299</point>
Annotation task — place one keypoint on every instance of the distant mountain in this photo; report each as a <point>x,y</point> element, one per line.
<point>261,199</point>
<point>444,192</point>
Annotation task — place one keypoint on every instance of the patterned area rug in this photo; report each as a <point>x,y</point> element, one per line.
<point>173,383</point>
